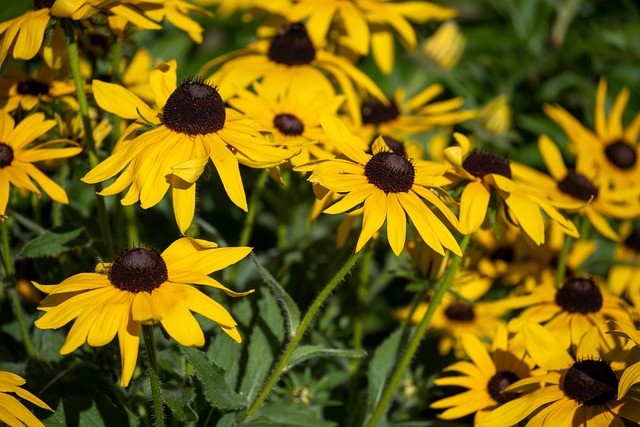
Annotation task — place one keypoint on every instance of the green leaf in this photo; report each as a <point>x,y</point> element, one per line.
<point>287,304</point>
<point>265,343</point>
<point>382,362</point>
<point>214,385</point>
<point>179,402</point>
<point>49,243</point>
<point>286,414</point>
<point>306,352</point>
<point>230,419</point>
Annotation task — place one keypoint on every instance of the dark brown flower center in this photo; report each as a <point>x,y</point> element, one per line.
<point>621,154</point>
<point>579,295</point>
<point>194,108</point>
<point>32,87</point>
<point>41,4</point>
<point>460,311</point>
<point>292,46</point>
<point>590,382</point>
<point>578,186</point>
<point>633,239</point>
<point>390,172</point>
<point>499,382</point>
<point>375,112</point>
<point>6,155</point>
<point>137,270</point>
<point>480,163</point>
<point>288,124</point>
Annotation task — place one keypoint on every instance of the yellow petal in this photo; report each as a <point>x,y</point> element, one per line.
<point>190,170</point>
<point>227,166</point>
<point>544,348</point>
<point>163,78</point>
<point>129,341</point>
<point>396,224</point>
<point>122,102</point>
<point>342,138</point>
<point>375,212</point>
<point>473,206</point>
<point>183,197</point>
<point>552,158</point>
<point>177,320</point>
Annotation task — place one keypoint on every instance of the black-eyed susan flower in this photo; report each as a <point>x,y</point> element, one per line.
<point>20,89</point>
<point>188,125</point>
<point>484,376</point>
<point>465,313</point>
<point>290,57</point>
<point>18,153</point>
<point>613,149</point>
<point>12,411</point>
<point>142,286</point>
<point>579,190</point>
<point>578,391</point>
<point>404,117</point>
<point>569,311</point>
<point>489,173</point>
<point>290,115</point>
<point>445,46</point>
<point>368,24</point>
<point>390,185</point>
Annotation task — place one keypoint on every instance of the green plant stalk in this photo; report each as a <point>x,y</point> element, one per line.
<point>562,259</point>
<point>74,62</point>
<point>154,378</point>
<point>304,325</point>
<point>414,343</point>
<point>15,297</point>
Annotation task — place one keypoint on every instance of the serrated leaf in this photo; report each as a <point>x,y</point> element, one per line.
<point>286,414</point>
<point>306,352</point>
<point>289,308</point>
<point>265,344</point>
<point>179,402</point>
<point>230,419</point>
<point>214,385</point>
<point>49,243</point>
<point>382,362</point>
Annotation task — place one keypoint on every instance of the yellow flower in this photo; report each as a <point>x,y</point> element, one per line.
<point>612,148</point>
<point>484,376</point>
<point>570,311</point>
<point>190,125</point>
<point>495,116</point>
<point>487,171</point>
<point>445,45</point>
<point>402,118</point>
<point>390,185</point>
<point>458,315</point>
<point>142,286</point>
<point>17,155</point>
<point>290,57</point>
<point>579,190</point>
<point>19,89</point>
<point>12,411</point>
<point>176,12</point>
<point>291,116</point>
<point>574,392</point>
<point>368,24</point>
<point>228,7</point>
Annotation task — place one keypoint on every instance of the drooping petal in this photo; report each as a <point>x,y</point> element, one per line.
<point>375,212</point>
<point>396,224</point>
<point>544,348</point>
<point>473,206</point>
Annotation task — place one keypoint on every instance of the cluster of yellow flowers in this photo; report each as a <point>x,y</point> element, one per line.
<point>562,344</point>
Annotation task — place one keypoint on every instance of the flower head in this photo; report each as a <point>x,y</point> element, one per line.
<point>189,125</point>
<point>17,155</point>
<point>613,149</point>
<point>390,185</point>
<point>142,286</point>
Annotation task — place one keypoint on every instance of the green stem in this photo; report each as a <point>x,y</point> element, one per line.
<point>304,325</point>
<point>74,62</point>
<point>404,362</point>
<point>132,225</point>
<point>15,297</point>
<point>154,378</point>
